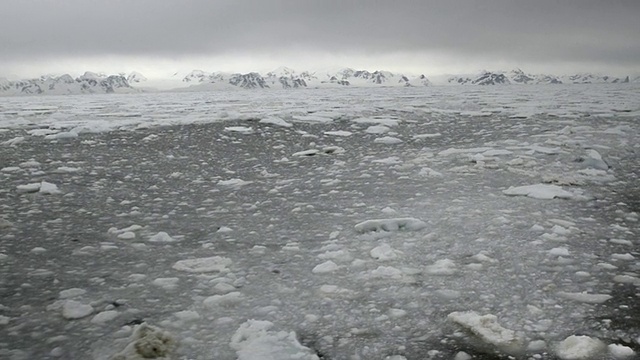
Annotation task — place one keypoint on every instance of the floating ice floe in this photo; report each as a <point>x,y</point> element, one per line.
<point>487,329</point>
<point>272,120</point>
<point>384,252</point>
<point>162,237</point>
<point>580,348</point>
<point>62,135</point>
<point>233,183</point>
<point>585,297</point>
<point>442,267</point>
<point>41,187</point>
<point>240,129</point>
<point>13,142</point>
<point>255,340</point>
<point>377,129</point>
<point>539,191</point>
<point>326,267</point>
<point>594,160</point>
<point>148,342</point>
<point>203,265</point>
<point>339,133</point>
<point>73,310</point>
<point>388,140</point>
<point>394,224</point>
<point>327,150</point>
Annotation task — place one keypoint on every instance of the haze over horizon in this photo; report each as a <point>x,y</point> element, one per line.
<point>159,38</point>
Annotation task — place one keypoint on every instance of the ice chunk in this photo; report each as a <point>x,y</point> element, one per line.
<point>227,300</point>
<point>539,191</point>
<point>203,265</point>
<point>377,129</point>
<point>339,133</point>
<point>71,293</point>
<point>233,183</point>
<point>75,310</point>
<point>255,340</point>
<point>275,121</point>
<point>442,267</point>
<point>487,330</point>
<point>386,272</point>
<point>240,129</point>
<point>49,188</point>
<point>13,142</point>
<point>621,351</point>
<point>580,348</point>
<point>584,297</point>
<point>394,224</point>
<point>28,188</point>
<point>326,267</point>
<point>162,237</point>
<point>147,342</point>
<point>388,140</point>
<point>104,317</point>
<point>384,252</point>
<point>166,283</point>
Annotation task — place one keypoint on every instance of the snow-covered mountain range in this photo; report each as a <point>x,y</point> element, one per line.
<point>88,83</point>
<point>286,78</point>
<point>517,76</point>
<point>281,78</point>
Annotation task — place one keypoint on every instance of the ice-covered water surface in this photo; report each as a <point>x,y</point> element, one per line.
<point>416,223</point>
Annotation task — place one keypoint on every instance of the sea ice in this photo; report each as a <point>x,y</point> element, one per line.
<point>76,310</point>
<point>487,330</point>
<point>255,340</point>
<point>539,191</point>
<point>580,348</point>
<point>203,265</point>
<point>148,342</point>
<point>393,224</point>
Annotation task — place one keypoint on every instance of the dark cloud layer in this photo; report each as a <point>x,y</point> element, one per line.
<point>606,32</point>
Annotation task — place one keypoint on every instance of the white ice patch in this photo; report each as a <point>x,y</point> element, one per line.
<point>580,348</point>
<point>72,310</point>
<point>71,293</point>
<point>255,340</point>
<point>377,129</point>
<point>585,297</point>
<point>454,151</point>
<point>203,265</point>
<point>393,224</point>
<point>621,351</point>
<point>379,121</point>
<point>226,300</point>
<point>388,140</point>
<point>539,191</point>
<point>147,342</point>
<point>386,272</point>
<point>442,267</point>
<point>233,183</point>
<point>429,172</point>
<point>324,268</point>
<point>166,283</point>
<point>104,317</point>
<point>42,187</point>
<point>162,237</point>
<point>240,129</point>
<point>272,120</point>
<point>341,133</point>
<point>15,141</point>
<point>487,330</point>
<point>384,252</point>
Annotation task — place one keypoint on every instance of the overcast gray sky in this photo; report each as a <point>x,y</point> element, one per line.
<point>159,37</point>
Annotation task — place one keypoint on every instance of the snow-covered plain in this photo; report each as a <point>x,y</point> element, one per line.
<point>408,223</point>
